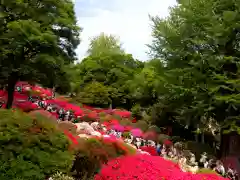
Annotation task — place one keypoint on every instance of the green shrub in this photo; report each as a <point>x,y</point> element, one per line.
<point>31,147</point>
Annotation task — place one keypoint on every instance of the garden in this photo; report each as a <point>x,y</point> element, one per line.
<point>110,115</point>
<point>34,147</point>
<point>37,144</point>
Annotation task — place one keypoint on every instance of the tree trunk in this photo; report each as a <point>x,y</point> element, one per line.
<point>12,80</point>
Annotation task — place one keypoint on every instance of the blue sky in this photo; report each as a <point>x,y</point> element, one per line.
<point>127,19</point>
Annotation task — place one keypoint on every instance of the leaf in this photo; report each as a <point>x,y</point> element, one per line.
<point>229,15</point>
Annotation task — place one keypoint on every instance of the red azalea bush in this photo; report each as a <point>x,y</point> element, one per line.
<point>137,167</point>
<point>145,167</point>
<point>150,149</point>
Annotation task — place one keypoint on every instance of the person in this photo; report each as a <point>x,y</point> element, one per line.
<point>71,116</point>
<point>30,98</point>
<point>61,114</point>
<point>19,89</point>
<point>219,168</point>
<point>158,148</point>
<point>67,115</point>
<point>164,151</point>
<point>203,160</point>
<point>49,108</point>
<point>231,174</point>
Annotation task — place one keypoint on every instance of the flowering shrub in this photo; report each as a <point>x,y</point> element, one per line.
<point>105,148</point>
<point>137,167</point>
<point>147,167</point>
<point>31,147</point>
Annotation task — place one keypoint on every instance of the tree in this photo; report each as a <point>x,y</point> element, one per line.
<point>199,43</point>
<point>104,45</point>
<point>36,38</point>
<point>111,71</point>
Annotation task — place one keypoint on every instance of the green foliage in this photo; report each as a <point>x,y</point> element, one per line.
<point>136,110</point>
<point>31,148</point>
<point>105,45</point>
<point>103,79</point>
<point>198,44</point>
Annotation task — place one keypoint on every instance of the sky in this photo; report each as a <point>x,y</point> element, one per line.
<point>126,19</point>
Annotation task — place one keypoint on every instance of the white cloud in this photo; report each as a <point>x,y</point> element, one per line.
<point>127,19</point>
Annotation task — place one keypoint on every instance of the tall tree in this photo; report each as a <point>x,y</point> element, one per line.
<point>104,45</point>
<point>37,37</point>
<point>199,43</point>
